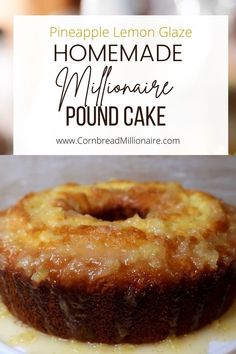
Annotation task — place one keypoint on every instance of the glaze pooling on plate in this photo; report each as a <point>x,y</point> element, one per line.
<point>215,336</point>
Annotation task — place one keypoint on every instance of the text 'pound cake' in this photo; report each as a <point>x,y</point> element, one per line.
<point>119,261</point>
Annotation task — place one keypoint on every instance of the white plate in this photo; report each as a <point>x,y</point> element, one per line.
<point>4,349</point>
<point>222,349</point>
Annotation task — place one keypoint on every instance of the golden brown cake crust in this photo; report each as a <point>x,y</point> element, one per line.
<point>118,261</point>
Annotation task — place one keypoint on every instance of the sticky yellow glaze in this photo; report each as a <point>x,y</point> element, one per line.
<point>17,335</point>
<point>65,222</point>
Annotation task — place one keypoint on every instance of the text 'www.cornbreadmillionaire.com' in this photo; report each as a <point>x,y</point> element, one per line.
<point>117,141</point>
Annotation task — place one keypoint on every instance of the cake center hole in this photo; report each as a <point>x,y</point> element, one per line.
<point>117,213</point>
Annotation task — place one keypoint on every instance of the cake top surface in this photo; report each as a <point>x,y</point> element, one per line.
<point>116,229</point>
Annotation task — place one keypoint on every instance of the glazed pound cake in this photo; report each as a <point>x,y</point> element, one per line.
<point>118,262</point>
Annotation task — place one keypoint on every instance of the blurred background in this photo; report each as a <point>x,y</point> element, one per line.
<point>24,174</point>
<point>9,8</point>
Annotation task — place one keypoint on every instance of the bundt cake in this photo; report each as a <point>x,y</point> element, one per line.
<point>119,261</point>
